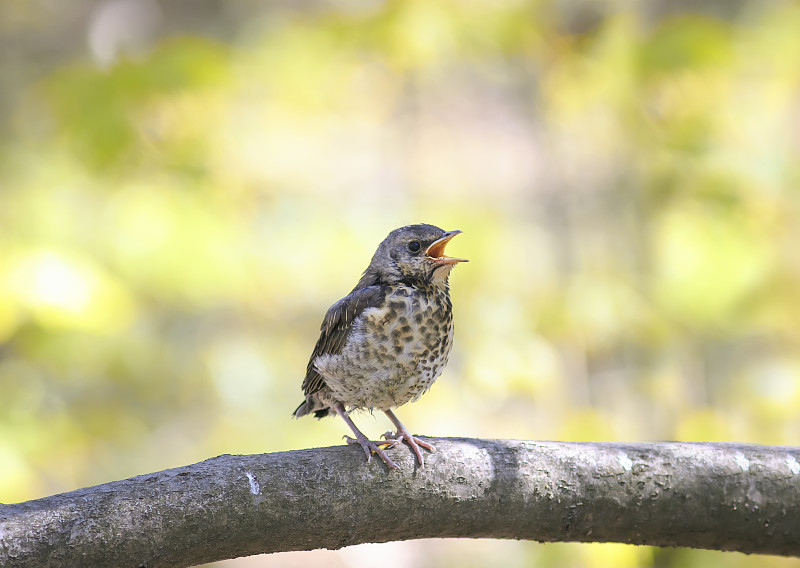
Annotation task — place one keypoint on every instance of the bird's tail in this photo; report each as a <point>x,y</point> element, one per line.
<point>301,410</point>
<point>309,406</point>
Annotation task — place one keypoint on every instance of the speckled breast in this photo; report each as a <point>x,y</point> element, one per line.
<point>395,352</point>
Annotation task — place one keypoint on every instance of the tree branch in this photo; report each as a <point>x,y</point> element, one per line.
<point>716,496</point>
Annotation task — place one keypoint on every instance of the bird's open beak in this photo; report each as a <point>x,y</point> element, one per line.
<point>436,254</point>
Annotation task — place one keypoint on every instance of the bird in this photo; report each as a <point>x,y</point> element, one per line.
<point>386,342</point>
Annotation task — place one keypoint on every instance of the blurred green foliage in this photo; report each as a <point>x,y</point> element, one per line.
<point>178,209</point>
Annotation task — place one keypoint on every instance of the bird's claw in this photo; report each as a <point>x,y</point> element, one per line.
<point>412,441</point>
<point>385,445</point>
<point>378,448</point>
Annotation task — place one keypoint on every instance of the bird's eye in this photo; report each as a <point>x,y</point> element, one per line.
<point>414,246</point>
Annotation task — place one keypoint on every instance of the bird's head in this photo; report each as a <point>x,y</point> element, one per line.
<point>413,254</point>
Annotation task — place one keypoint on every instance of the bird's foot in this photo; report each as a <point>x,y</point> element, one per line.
<point>378,448</point>
<point>415,443</point>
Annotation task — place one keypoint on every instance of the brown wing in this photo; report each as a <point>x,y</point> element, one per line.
<point>336,327</point>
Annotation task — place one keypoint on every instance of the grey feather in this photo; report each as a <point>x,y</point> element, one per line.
<point>335,328</point>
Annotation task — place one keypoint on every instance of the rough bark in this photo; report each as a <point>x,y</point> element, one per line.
<point>715,496</point>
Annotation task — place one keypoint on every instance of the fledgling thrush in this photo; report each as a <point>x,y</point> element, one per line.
<point>387,341</point>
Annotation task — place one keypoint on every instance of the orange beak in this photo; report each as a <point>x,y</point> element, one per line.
<point>435,252</point>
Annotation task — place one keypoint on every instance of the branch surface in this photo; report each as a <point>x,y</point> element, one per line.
<point>701,495</point>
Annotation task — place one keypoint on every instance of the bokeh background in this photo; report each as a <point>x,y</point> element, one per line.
<point>186,186</point>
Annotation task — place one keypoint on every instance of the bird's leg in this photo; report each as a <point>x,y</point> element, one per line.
<point>366,444</point>
<point>403,435</point>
